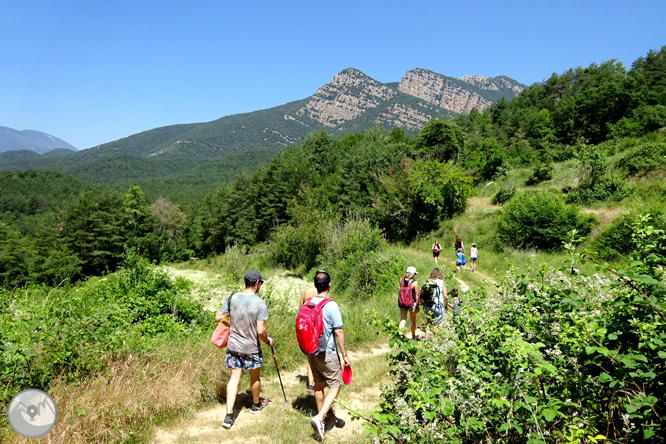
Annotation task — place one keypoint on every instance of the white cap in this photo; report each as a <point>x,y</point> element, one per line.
<point>412,270</point>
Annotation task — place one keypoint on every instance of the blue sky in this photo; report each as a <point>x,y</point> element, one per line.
<point>92,72</point>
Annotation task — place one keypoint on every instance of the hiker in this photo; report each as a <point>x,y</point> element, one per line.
<point>433,297</point>
<point>408,299</point>
<point>436,248</point>
<point>460,259</point>
<point>248,313</point>
<point>473,253</point>
<point>455,302</point>
<point>458,245</point>
<point>307,294</point>
<point>325,361</point>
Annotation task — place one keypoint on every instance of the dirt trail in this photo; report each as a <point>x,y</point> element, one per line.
<point>206,426</point>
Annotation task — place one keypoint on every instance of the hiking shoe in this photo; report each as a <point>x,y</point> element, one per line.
<point>262,404</point>
<point>310,388</point>
<point>317,426</point>
<point>228,421</point>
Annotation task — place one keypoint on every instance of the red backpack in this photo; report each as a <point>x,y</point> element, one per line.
<point>405,298</point>
<point>310,325</point>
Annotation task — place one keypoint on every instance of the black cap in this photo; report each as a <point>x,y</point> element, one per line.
<point>253,276</point>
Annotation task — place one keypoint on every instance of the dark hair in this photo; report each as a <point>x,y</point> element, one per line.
<point>454,292</point>
<point>322,281</point>
<point>458,240</point>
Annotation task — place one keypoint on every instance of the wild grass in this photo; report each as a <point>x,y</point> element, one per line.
<point>134,393</point>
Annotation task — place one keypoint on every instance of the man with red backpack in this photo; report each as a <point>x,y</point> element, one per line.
<point>324,360</point>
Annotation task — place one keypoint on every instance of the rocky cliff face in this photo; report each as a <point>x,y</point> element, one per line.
<point>352,99</point>
<point>348,95</point>
<point>457,95</point>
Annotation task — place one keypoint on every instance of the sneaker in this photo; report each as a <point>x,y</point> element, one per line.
<point>317,426</point>
<point>228,421</point>
<point>262,404</point>
<point>310,388</point>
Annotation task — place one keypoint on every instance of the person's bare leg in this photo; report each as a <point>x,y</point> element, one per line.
<point>310,375</point>
<point>324,403</point>
<point>232,389</point>
<point>255,384</point>
<point>412,318</point>
<point>403,318</point>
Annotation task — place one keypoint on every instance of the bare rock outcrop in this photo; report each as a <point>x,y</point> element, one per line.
<point>457,95</point>
<point>348,95</point>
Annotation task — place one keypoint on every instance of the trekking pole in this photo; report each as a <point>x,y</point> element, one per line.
<point>279,377</point>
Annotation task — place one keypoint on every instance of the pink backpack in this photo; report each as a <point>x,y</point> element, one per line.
<point>405,298</point>
<point>310,325</point>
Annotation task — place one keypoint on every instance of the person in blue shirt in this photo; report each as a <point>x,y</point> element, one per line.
<point>325,362</point>
<point>459,259</point>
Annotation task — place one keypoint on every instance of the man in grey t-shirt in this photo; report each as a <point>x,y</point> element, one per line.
<point>248,313</point>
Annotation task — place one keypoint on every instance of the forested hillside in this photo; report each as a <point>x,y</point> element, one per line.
<point>570,171</point>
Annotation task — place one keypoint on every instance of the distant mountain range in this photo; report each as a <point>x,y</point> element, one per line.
<point>35,141</point>
<point>350,102</point>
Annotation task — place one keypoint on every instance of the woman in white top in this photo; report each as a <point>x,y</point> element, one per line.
<point>472,256</point>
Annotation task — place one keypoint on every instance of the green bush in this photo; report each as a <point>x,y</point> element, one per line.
<point>69,333</point>
<point>541,220</point>
<point>503,195</point>
<point>540,174</point>
<point>643,159</point>
<point>607,188</point>
<point>551,358</point>
<point>617,240</point>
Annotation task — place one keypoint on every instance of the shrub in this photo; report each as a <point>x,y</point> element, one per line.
<point>551,358</point>
<point>617,240</point>
<point>503,195</point>
<point>643,159</point>
<point>607,188</point>
<point>540,174</point>
<point>539,219</point>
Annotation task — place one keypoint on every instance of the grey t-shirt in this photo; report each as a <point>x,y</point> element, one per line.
<point>246,310</point>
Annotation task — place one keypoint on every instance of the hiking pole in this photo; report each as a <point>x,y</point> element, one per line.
<point>279,377</point>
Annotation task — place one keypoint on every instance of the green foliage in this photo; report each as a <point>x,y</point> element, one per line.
<point>414,197</point>
<point>618,242</point>
<point>643,159</point>
<point>606,188</point>
<point>540,220</point>
<point>540,174</point>
<point>503,195</point>
<point>69,333</point>
<point>440,140</point>
<point>553,357</point>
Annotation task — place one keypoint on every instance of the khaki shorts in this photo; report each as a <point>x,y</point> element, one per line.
<point>326,368</point>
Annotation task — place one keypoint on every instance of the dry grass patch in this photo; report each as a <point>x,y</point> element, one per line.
<point>134,394</point>
<point>481,204</point>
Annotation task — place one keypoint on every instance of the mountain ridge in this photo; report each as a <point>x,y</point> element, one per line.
<point>350,102</point>
<point>31,140</point>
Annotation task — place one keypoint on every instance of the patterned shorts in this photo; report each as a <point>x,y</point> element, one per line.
<point>242,360</point>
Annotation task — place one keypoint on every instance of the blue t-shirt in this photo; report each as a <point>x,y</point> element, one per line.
<point>459,257</point>
<point>246,310</point>
<point>332,321</point>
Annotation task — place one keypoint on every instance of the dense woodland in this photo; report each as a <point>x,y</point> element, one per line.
<point>58,228</point>
<point>553,355</point>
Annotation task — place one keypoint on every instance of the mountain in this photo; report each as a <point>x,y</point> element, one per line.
<point>11,140</point>
<point>458,95</point>
<point>350,102</point>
